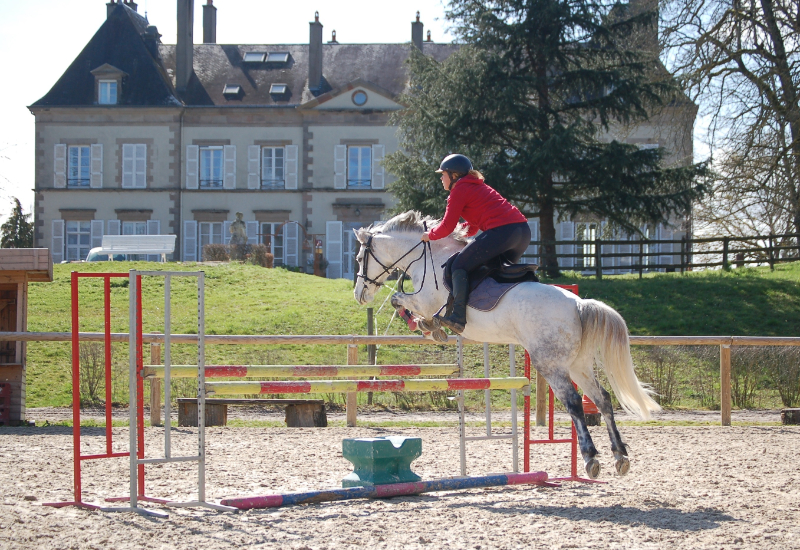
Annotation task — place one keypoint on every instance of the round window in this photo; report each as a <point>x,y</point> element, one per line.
<point>359,98</point>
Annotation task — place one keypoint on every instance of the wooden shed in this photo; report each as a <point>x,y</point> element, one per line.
<point>18,267</point>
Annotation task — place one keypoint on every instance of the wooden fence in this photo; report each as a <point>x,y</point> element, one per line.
<point>724,343</point>
<point>643,255</point>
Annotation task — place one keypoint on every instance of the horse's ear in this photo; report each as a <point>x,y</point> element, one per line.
<point>361,235</point>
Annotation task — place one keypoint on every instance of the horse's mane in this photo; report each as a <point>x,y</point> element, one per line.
<point>413,221</point>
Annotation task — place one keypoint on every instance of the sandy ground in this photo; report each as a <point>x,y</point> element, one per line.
<point>698,487</point>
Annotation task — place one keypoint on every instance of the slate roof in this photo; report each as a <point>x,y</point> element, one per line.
<point>118,42</point>
<point>216,65</point>
<point>150,79</point>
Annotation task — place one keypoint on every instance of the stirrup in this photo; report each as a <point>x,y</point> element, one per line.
<point>453,325</point>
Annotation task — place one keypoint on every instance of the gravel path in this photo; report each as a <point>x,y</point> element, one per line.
<point>690,487</point>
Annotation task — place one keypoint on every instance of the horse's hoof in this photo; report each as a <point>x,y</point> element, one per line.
<point>439,335</point>
<point>395,301</point>
<point>428,325</point>
<point>622,465</point>
<point>593,468</point>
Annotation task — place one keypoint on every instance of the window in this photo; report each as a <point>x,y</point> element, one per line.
<point>359,97</point>
<point>107,92</point>
<point>646,248</point>
<point>272,236</point>
<point>79,239</point>
<point>359,167</point>
<point>272,176</point>
<point>135,228</point>
<point>277,57</point>
<point>134,166</point>
<point>231,90</point>
<point>588,234</point>
<point>254,57</point>
<point>278,89</point>
<point>211,167</point>
<point>210,233</point>
<point>79,171</point>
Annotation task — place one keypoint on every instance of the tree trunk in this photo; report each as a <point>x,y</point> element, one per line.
<point>548,231</point>
<point>790,98</point>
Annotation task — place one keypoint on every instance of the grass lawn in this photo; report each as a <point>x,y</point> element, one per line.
<point>245,299</point>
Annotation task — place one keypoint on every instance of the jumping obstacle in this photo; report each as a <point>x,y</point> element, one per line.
<point>345,386</point>
<point>136,438</point>
<point>136,358</point>
<point>381,460</point>
<point>388,491</point>
<point>136,453</point>
<point>299,371</point>
<point>137,370</point>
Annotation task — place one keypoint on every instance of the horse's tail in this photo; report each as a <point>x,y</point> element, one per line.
<point>605,335</point>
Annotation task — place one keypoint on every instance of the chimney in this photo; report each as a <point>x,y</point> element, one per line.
<point>429,37</point>
<point>131,4</point>
<point>110,7</point>
<point>184,49</point>
<point>209,23</point>
<point>152,40</point>
<point>315,54</point>
<point>416,33</point>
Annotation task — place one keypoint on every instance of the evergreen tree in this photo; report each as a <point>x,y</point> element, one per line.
<point>17,231</point>
<point>529,97</point>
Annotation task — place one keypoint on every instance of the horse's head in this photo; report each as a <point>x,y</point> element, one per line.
<point>383,249</point>
<point>369,278</point>
<point>387,247</point>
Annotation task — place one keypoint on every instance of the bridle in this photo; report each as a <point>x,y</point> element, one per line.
<point>388,269</point>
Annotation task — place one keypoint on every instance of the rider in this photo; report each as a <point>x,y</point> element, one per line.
<point>506,234</point>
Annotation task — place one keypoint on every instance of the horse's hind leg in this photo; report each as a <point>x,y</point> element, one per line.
<point>591,387</point>
<point>565,391</point>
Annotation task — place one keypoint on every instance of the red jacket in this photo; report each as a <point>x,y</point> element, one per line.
<point>481,207</point>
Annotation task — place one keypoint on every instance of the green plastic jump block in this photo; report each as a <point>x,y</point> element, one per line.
<point>381,460</point>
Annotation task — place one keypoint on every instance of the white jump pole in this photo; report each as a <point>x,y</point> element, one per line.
<point>201,454</point>
<point>512,362</point>
<point>462,434</point>
<point>514,435</point>
<point>133,343</point>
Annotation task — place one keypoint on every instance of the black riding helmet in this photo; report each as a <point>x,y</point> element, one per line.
<point>456,165</point>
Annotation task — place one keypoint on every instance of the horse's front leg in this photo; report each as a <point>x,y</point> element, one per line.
<point>411,303</point>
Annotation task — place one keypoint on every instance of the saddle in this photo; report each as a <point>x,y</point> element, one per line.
<point>489,283</point>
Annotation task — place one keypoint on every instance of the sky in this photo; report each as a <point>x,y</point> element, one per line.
<point>40,38</point>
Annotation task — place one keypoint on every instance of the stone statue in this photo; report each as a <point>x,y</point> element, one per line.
<point>238,231</point>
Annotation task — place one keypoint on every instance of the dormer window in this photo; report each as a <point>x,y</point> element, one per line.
<point>277,57</point>
<point>232,91</point>
<point>107,92</point>
<point>278,89</point>
<point>108,81</point>
<point>254,57</point>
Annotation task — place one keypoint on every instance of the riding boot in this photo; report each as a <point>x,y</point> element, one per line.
<point>458,317</point>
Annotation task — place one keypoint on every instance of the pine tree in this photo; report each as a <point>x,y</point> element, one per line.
<point>17,231</point>
<point>529,97</point>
